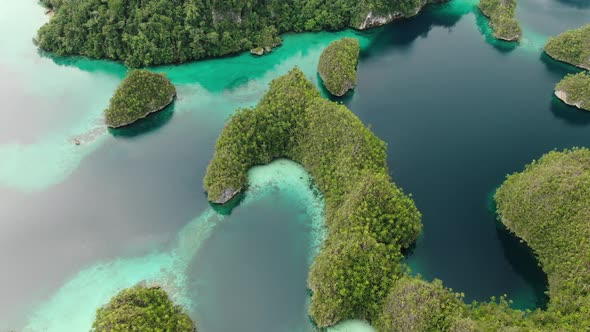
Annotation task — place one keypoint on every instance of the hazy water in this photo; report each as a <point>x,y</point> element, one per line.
<point>77,223</point>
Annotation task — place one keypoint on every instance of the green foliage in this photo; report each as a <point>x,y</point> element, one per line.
<point>141,93</point>
<point>142,308</point>
<point>369,219</point>
<point>577,89</point>
<point>337,66</point>
<point>548,206</point>
<point>572,46</point>
<point>502,18</point>
<point>152,32</point>
<point>417,305</point>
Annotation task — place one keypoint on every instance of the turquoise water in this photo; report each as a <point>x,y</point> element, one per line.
<point>78,223</point>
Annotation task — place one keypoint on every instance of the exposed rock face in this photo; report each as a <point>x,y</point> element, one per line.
<point>563,96</point>
<point>374,20</point>
<point>257,51</point>
<point>232,15</point>
<point>227,195</point>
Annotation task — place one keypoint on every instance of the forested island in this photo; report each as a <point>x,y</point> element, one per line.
<point>359,273</point>
<point>574,90</point>
<point>140,94</point>
<point>151,32</point>
<point>572,46</point>
<point>337,66</point>
<point>502,18</point>
<point>142,308</point>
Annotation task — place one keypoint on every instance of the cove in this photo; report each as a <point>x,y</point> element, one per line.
<point>458,110</point>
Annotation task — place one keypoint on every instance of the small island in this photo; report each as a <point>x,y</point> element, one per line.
<point>574,90</point>
<point>337,66</point>
<point>142,308</point>
<point>502,18</point>
<point>572,46</point>
<point>140,94</point>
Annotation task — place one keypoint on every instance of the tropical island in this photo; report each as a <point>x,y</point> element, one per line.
<point>151,32</point>
<point>572,46</point>
<point>337,66</point>
<point>359,273</point>
<point>502,18</point>
<point>141,93</point>
<point>574,90</point>
<point>142,308</point>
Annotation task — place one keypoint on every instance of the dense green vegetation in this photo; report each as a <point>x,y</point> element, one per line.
<point>359,273</point>
<point>141,93</point>
<point>575,90</point>
<point>572,46</point>
<point>369,219</point>
<point>502,18</point>
<point>548,206</point>
<point>337,66</point>
<point>142,308</point>
<point>151,32</point>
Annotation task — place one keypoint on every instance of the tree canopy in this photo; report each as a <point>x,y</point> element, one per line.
<point>152,32</point>
<point>141,93</point>
<point>142,308</point>
<point>502,18</point>
<point>572,46</point>
<point>337,66</point>
<point>574,89</point>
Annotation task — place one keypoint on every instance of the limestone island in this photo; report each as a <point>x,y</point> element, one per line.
<point>142,308</point>
<point>153,32</point>
<point>502,18</point>
<point>359,272</point>
<point>141,93</point>
<point>572,46</point>
<point>337,66</point>
<point>574,90</point>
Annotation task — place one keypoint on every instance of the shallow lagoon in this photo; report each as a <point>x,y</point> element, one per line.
<point>77,223</point>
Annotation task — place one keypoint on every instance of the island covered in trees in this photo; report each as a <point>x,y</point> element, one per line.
<point>337,66</point>
<point>142,92</point>
<point>152,32</point>
<point>502,18</point>
<point>359,273</point>
<point>574,90</point>
<point>142,308</point>
<point>572,46</point>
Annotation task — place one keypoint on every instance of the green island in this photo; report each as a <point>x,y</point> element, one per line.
<point>141,93</point>
<point>502,18</point>
<point>574,90</point>
<point>572,46</point>
<point>152,32</point>
<point>142,308</point>
<point>359,273</point>
<point>337,66</point>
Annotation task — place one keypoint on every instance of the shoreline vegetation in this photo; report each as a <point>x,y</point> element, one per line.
<point>501,14</point>
<point>574,90</point>
<point>359,273</point>
<point>337,66</point>
<point>142,308</point>
<point>140,93</point>
<point>151,32</point>
<point>572,47</point>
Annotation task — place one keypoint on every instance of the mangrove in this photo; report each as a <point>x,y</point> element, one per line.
<point>337,66</point>
<point>502,18</point>
<point>139,94</point>
<point>572,46</point>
